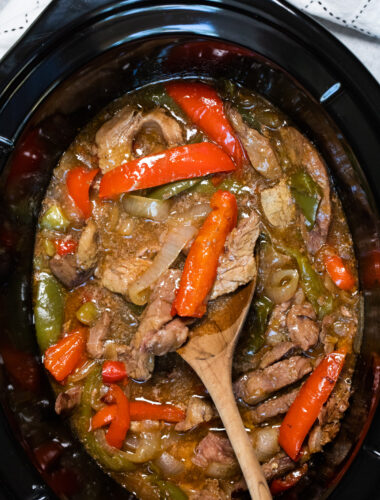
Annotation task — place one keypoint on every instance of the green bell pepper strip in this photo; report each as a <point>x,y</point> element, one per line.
<point>169,190</point>
<point>307,194</point>
<point>48,310</point>
<point>230,184</point>
<point>116,462</point>
<point>231,92</point>
<point>54,218</point>
<point>256,323</point>
<point>316,292</point>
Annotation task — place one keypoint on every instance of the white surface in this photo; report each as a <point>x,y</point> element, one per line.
<point>355,22</point>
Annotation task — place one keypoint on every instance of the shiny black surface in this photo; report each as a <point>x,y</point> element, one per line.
<point>60,75</point>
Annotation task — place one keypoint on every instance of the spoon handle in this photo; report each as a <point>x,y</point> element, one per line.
<point>218,382</point>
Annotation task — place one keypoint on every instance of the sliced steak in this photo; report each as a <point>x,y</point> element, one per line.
<point>276,329</point>
<point>278,205</point>
<point>168,338</point>
<point>140,364</point>
<point>67,271</point>
<point>97,334</point>
<point>321,435</point>
<point>276,353</point>
<point>157,332</point>
<point>301,153</point>
<point>88,247</point>
<point>67,400</point>
<point>114,139</point>
<point>169,128</point>
<point>197,412</point>
<point>255,386</point>
<point>213,448</point>
<point>337,403</point>
<point>273,407</point>
<point>277,466</point>
<point>326,338</point>
<point>302,326</point>
<point>257,146</point>
<point>118,274</point>
<point>237,266</point>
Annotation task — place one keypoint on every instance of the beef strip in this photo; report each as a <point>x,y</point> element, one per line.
<point>170,129</point>
<point>321,435</point>
<point>114,139</point>
<point>237,265</point>
<point>213,448</point>
<point>276,329</point>
<point>302,326</point>
<point>302,154</point>
<point>197,412</point>
<point>88,247</point>
<point>328,423</point>
<point>278,205</point>
<point>276,353</point>
<point>157,331</point>
<point>97,334</point>
<point>67,271</point>
<point>277,466</point>
<point>168,338</point>
<point>255,386</point>
<point>67,400</point>
<point>257,146</point>
<point>117,274</point>
<point>140,364</point>
<point>272,408</point>
<point>337,403</point>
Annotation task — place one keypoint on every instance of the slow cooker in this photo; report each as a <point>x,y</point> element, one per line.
<point>80,55</point>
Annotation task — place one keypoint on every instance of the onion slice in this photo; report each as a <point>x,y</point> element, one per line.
<point>169,465</point>
<point>149,447</point>
<point>282,285</point>
<point>195,215</point>
<point>148,208</point>
<point>176,239</point>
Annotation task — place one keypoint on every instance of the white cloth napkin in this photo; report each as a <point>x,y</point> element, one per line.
<point>15,17</point>
<point>355,22</point>
<point>361,15</point>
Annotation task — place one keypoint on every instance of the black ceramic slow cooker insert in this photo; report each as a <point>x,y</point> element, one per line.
<point>79,56</point>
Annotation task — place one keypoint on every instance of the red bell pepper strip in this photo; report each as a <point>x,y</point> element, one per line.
<point>201,265</point>
<point>143,410</point>
<point>139,410</point>
<point>104,416</point>
<point>205,109</point>
<point>183,162</point>
<point>120,423</point>
<point>339,272</point>
<point>285,483</point>
<point>113,371</point>
<point>64,247</point>
<point>78,182</point>
<point>305,409</point>
<point>62,358</point>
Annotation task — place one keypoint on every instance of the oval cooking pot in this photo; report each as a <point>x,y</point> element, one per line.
<point>76,59</point>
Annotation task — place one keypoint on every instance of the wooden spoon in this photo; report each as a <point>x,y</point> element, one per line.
<point>210,356</point>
